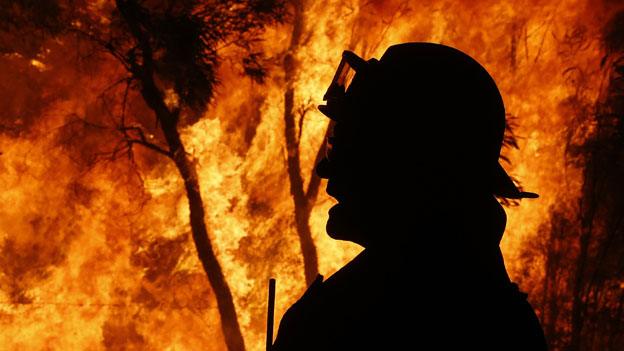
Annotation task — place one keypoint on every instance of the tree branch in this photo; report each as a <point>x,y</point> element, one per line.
<point>151,146</point>
<point>315,181</point>
<point>106,45</point>
<point>141,140</point>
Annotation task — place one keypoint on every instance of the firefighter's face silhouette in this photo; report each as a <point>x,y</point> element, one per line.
<point>345,218</point>
<point>347,165</point>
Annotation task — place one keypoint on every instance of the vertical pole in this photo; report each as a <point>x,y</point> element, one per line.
<point>270,315</point>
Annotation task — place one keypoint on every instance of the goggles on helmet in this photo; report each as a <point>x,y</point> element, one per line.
<point>349,66</point>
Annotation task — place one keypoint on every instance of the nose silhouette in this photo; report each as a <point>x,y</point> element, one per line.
<point>323,169</point>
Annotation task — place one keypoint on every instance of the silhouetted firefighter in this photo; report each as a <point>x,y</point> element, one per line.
<point>413,163</point>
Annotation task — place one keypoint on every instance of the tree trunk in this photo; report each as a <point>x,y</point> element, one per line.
<point>229,321</point>
<point>168,119</point>
<point>579,287</point>
<point>549,315</point>
<point>578,292</point>
<point>168,122</point>
<point>303,205</point>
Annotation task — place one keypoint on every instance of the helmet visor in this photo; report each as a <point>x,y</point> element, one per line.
<point>342,79</point>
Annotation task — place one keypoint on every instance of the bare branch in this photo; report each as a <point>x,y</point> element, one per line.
<point>151,146</point>
<point>140,138</point>
<point>315,181</point>
<point>106,45</point>
<point>302,111</point>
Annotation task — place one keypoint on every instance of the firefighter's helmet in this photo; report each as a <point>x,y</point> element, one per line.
<point>426,94</point>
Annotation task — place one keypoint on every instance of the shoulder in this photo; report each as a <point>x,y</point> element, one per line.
<point>298,324</point>
<point>329,311</point>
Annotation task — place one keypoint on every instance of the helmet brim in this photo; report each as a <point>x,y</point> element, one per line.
<point>504,186</point>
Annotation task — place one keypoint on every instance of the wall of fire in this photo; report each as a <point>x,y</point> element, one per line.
<point>96,251</point>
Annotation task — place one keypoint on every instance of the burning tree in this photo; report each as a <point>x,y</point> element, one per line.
<point>597,301</point>
<point>169,51</point>
<point>581,296</point>
<point>304,199</point>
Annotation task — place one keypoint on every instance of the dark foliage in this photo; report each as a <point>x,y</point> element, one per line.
<point>582,300</point>
<point>184,37</point>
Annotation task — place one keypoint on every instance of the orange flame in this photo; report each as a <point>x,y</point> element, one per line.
<point>100,256</point>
